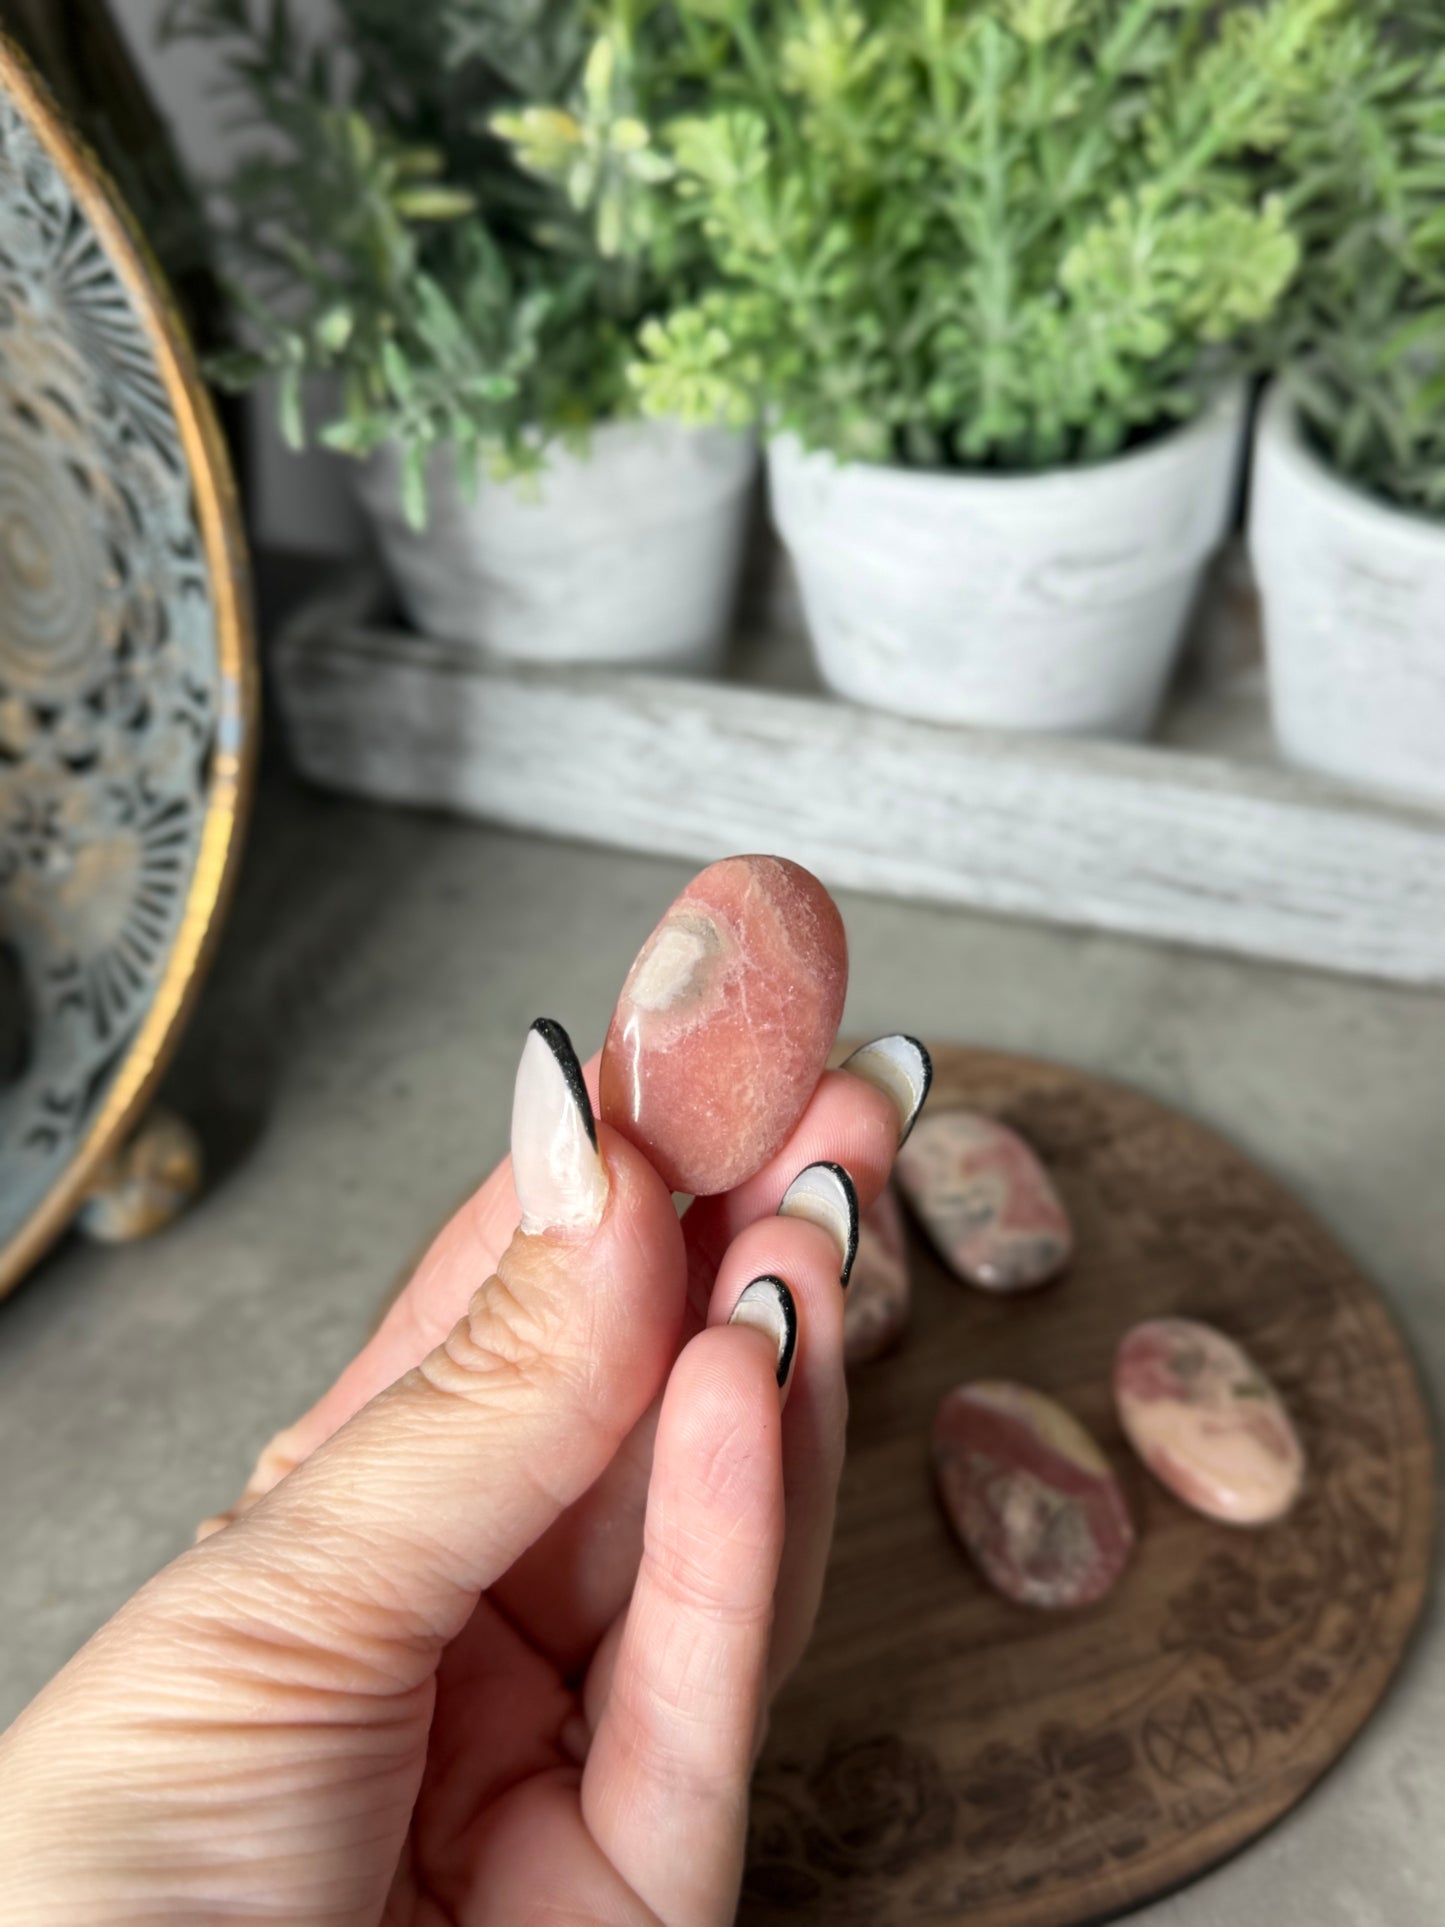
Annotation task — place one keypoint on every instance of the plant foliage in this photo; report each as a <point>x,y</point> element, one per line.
<point>469,266</point>
<point>982,233</point>
<point>1006,233</point>
<point>1362,339</point>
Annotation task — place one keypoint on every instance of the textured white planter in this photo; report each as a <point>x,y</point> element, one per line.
<point>628,554</point>
<point>1050,602</point>
<point>1353,593</point>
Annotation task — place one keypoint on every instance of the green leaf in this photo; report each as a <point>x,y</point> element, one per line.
<point>433,203</point>
<point>289,407</point>
<point>414,484</point>
<point>421,163</point>
<point>335,327</point>
<point>361,141</point>
<point>236,369</point>
<point>349,437</point>
<point>1425,408</point>
<point>1423,332</point>
<point>597,76</point>
<point>397,372</point>
<point>547,139</point>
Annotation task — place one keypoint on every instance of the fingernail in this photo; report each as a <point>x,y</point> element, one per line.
<point>825,1195</point>
<point>767,1305</point>
<point>900,1067</point>
<point>560,1179</point>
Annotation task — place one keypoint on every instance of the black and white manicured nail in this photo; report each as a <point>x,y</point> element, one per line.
<point>560,1179</point>
<point>901,1068</point>
<point>767,1305</point>
<point>825,1195</point>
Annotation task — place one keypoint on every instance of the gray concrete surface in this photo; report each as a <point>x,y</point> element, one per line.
<point>351,1068</point>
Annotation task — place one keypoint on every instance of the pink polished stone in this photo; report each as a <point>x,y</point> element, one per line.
<point>985,1201</point>
<point>1030,1495</point>
<point>875,1310</point>
<point>1207,1422</point>
<point>725,1022</point>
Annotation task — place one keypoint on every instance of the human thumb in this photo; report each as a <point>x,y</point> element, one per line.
<point>432,1490</point>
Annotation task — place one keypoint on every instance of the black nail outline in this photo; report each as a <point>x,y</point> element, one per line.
<point>559,1043</point>
<point>790,1318</point>
<point>850,1201</point>
<point>925,1063</point>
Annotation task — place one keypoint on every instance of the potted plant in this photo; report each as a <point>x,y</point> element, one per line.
<point>988,270</point>
<point>1347,517</point>
<point>460,272</point>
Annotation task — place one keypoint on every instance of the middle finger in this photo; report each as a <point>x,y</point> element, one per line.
<point>568,1588</point>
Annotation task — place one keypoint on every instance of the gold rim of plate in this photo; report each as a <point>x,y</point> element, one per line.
<point>218,515</point>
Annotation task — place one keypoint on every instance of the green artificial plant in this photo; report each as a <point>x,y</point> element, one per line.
<point>1362,339</point>
<point>467,265</point>
<point>986,233</point>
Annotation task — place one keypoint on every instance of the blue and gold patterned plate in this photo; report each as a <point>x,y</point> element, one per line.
<point>127,672</point>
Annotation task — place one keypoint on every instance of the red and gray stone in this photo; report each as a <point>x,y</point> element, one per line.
<point>1030,1495</point>
<point>875,1311</point>
<point>1207,1422</point>
<point>725,1022</point>
<point>985,1201</point>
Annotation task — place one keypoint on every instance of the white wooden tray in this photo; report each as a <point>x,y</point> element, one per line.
<point>1202,838</point>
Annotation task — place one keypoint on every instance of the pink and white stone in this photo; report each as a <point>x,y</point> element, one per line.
<point>725,1022</point>
<point>875,1311</point>
<point>985,1201</point>
<point>1207,1422</point>
<point>1030,1495</point>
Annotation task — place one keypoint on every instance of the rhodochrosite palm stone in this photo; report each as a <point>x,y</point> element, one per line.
<point>725,1022</point>
<point>1207,1422</point>
<point>875,1312</point>
<point>1030,1495</point>
<point>985,1201</point>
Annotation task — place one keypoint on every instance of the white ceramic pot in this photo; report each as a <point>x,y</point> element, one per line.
<point>1353,593</point>
<point>627,554</point>
<point>1049,602</point>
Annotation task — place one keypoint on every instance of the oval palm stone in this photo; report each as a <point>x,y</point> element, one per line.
<point>725,1022</point>
<point>1030,1495</point>
<point>985,1201</point>
<point>1207,1422</point>
<point>875,1311</point>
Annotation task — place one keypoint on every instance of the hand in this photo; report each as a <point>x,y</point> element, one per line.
<point>498,1645</point>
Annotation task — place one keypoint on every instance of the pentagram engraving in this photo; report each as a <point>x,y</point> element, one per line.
<point>1202,1738</point>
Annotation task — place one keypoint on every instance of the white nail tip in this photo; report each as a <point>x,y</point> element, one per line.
<point>901,1068</point>
<point>559,1176</point>
<point>767,1306</point>
<point>823,1194</point>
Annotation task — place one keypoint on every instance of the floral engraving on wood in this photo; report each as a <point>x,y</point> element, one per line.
<point>1070,1794</point>
<point>869,1807</point>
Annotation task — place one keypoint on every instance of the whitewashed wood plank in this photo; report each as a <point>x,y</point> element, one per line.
<point>1149,842</point>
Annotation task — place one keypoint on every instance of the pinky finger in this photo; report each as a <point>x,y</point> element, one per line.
<point>665,1790</point>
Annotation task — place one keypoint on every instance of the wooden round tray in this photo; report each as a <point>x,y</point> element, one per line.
<point>943,1755</point>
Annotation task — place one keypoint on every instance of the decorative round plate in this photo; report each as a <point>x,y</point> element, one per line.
<point>946,1756</point>
<point>126,672</point>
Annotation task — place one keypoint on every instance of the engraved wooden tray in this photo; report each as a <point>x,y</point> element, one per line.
<point>945,1756</point>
